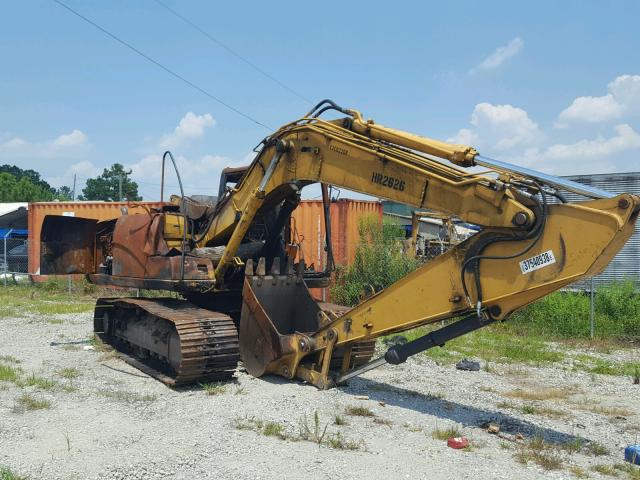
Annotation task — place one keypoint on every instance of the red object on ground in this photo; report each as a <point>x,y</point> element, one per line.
<point>458,442</point>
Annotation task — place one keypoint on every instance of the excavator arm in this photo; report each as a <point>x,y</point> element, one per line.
<point>527,249</point>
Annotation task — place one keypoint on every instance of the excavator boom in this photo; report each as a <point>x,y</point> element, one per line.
<point>230,258</point>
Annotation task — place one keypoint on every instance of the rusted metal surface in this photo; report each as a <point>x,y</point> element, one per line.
<point>91,210</point>
<point>67,245</point>
<point>172,340</point>
<point>345,217</point>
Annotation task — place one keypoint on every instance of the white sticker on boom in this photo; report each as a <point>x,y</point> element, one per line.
<point>534,263</point>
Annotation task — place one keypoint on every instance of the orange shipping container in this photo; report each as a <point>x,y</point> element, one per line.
<point>95,210</point>
<point>308,222</point>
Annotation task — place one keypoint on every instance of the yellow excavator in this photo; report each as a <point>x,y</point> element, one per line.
<point>243,296</point>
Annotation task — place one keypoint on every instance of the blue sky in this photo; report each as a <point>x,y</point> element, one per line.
<point>550,85</point>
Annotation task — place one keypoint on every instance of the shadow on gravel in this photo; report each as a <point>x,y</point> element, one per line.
<point>451,410</point>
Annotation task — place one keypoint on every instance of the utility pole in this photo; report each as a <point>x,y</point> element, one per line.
<point>592,312</point>
<point>73,198</point>
<point>119,188</point>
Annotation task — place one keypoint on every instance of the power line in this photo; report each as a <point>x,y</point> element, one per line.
<point>233,52</point>
<point>166,69</point>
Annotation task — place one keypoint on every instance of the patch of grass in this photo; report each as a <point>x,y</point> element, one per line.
<point>445,434</point>
<point>29,402</point>
<point>543,454</point>
<point>541,393</point>
<point>69,373</point>
<point>596,449</point>
<point>8,374</point>
<point>358,411</point>
<point>43,299</point>
<point>339,420</point>
<point>273,429</point>
<point>505,404</point>
<point>129,397</point>
<point>382,421</point>
<point>7,474</point>
<point>543,411</point>
<point>539,452</point>
<point>592,364</point>
<point>214,388</point>
<point>632,471</point>
<point>413,428</point>
<point>604,469</point>
<point>486,388</point>
<point>578,472</point>
<point>38,382</point>
<point>338,442</point>
<point>9,359</point>
<point>314,433</point>
<point>575,445</point>
<point>495,344</point>
<point>240,391</point>
<point>593,406</point>
<point>266,428</point>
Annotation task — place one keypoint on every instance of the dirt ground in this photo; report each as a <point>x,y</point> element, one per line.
<point>81,413</point>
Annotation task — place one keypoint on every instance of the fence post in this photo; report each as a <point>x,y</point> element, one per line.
<point>592,313</point>
<point>6,265</point>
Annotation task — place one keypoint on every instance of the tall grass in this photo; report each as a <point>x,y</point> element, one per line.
<point>379,262</point>
<point>567,314</point>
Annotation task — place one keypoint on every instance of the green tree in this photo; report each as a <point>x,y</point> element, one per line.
<point>106,186</point>
<point>378,263</point>
<point>27,191</point>
<point>23,189</point>
<point>32,175</point>
<point>64,194</point>
<point>7,185</point>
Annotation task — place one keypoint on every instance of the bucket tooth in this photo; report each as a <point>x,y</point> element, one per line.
<point>248,269</point>
<point>289,267</point>
<point>262,269</point>
<point>275,266</point>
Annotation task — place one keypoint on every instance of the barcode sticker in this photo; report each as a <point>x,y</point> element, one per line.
<point>539,261</point>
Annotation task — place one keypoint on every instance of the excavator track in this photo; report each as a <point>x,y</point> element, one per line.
<point>169,339</point>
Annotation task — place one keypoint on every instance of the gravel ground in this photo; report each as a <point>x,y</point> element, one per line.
<point>112,422</point>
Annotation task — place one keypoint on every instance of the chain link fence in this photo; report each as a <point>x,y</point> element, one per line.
<point>14,259</point>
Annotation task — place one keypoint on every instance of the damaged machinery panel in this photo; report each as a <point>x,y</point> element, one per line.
<point>67,245</point>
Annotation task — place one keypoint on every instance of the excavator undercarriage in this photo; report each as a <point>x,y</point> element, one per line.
<point>245,286</point>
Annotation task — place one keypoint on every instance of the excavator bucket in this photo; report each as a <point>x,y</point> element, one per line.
<point>274,306</point>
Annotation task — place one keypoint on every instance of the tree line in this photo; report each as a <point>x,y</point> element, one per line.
<point>26,185</point>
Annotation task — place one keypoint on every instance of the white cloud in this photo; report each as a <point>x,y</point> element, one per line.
<point>626,138</point>
<point>191,126</point>
<point>499,127</point>
<point>14,143</point>
<point>70,145</point>
<point>623,98</point>
<point>507,133</point>
<point>83,170</point>
<point>598,155</point>
<point>500,55</point>
<point>73,139</point>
